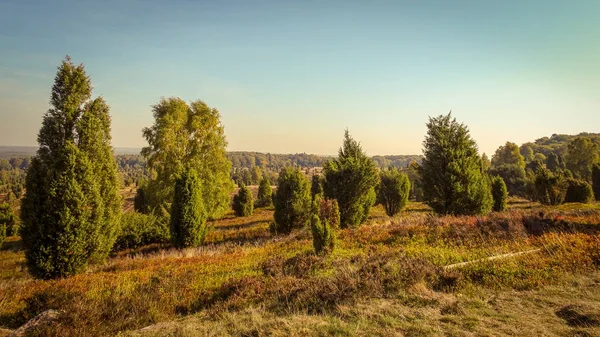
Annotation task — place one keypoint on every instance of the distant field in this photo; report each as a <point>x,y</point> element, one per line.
<point>387,277</point>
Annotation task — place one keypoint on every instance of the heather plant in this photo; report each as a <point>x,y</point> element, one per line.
<point>265,194</point>
<point>72,206</point>
<point>188,215</point>
<point>292,201</point>
<point>499,194</point>
<point>351,179</point>
<point>393,191</point>
<point>243,203</point>
<point>324,222</point>
<point>451,170</point>
<point>579,191</point>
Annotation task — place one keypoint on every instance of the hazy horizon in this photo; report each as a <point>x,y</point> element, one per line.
<point>289,78</point>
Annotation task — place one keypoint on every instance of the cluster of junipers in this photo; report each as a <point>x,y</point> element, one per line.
<point>324,223</point>
<point>351,179</point>
<point>451,171</point>
<point>393,191</point>
<point>265,194</point>
<point>243,202</point>
<point>499,194</point>
<point>71,207</point>
<point>292,201</point>
<point>186,136</point>
<point>188,214</point>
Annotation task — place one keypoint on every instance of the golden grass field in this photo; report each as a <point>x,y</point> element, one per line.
<point>386,277</point>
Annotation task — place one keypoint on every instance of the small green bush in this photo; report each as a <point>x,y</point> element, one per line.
<point>2,233</point>
<point>265,194</point>
<point>550,188</point>
<point>393,191</point>
<point>292,201</point>
<point>325,220</point>
<point>499,194</point>
<point>8,220</point>
<point>579,191</point>
<point>188,215</point>
<point>139,229</point>
<point>243,203</point>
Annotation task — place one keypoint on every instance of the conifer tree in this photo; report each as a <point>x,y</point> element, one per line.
<point>265,194</point>
<point>596,180</point>
<point>324,222</point>
<point>292,201</point>
<point>71,207</point>
<point>451,170</point>
<point>351,179</point>
<point>243,203</point>
<point>188,214</point>
<point>316,187</point>
<point>393,191</point>
<point>499,194</point>
<point>187,135</point>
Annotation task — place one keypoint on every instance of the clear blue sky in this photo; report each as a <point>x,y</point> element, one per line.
<point>290,76</point>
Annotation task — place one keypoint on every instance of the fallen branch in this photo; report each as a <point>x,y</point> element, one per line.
<point>501,256</point>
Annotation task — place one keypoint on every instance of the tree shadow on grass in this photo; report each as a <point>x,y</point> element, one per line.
<point>12,244</point>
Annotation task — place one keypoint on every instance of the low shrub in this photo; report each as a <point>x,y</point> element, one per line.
<point>325,221</point>
<point>139,229</point>
<point>499,194</point>
<point>243,203</point>
<point>579,191</point>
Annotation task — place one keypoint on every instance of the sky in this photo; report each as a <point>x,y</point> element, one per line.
<point>290,76</point>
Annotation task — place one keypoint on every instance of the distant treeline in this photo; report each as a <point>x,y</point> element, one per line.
<point>558,144</point>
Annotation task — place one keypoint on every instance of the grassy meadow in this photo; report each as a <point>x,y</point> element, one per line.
<point>389,276</point>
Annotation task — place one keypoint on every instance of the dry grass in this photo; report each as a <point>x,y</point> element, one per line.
<point>384,278</point>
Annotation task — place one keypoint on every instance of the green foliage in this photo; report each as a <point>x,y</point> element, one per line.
<point>596,180</point>
<point>393,191</point>
<point>509,154</point>
<point>499,194</point>
<point>550,188</point>
<point>72,206</point>
<point>2,233</point>
<point>451,172</point>
<point>316,186</point>
<point>292,201</point>
<point>579,191</point>
<point>485,162</point>
<point>514,177</point>
<point>140,201</point>
<point>351,179</point>
<point>265,194</point>
<point>555,162</point>
<point>527,152</point>
<point>187,136</point>
<point>243,203</point>
<point>139,229</point>
<point>8,219</point>
<point>325,220</point>
<point>582,154</point>
<point>188,214</point>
